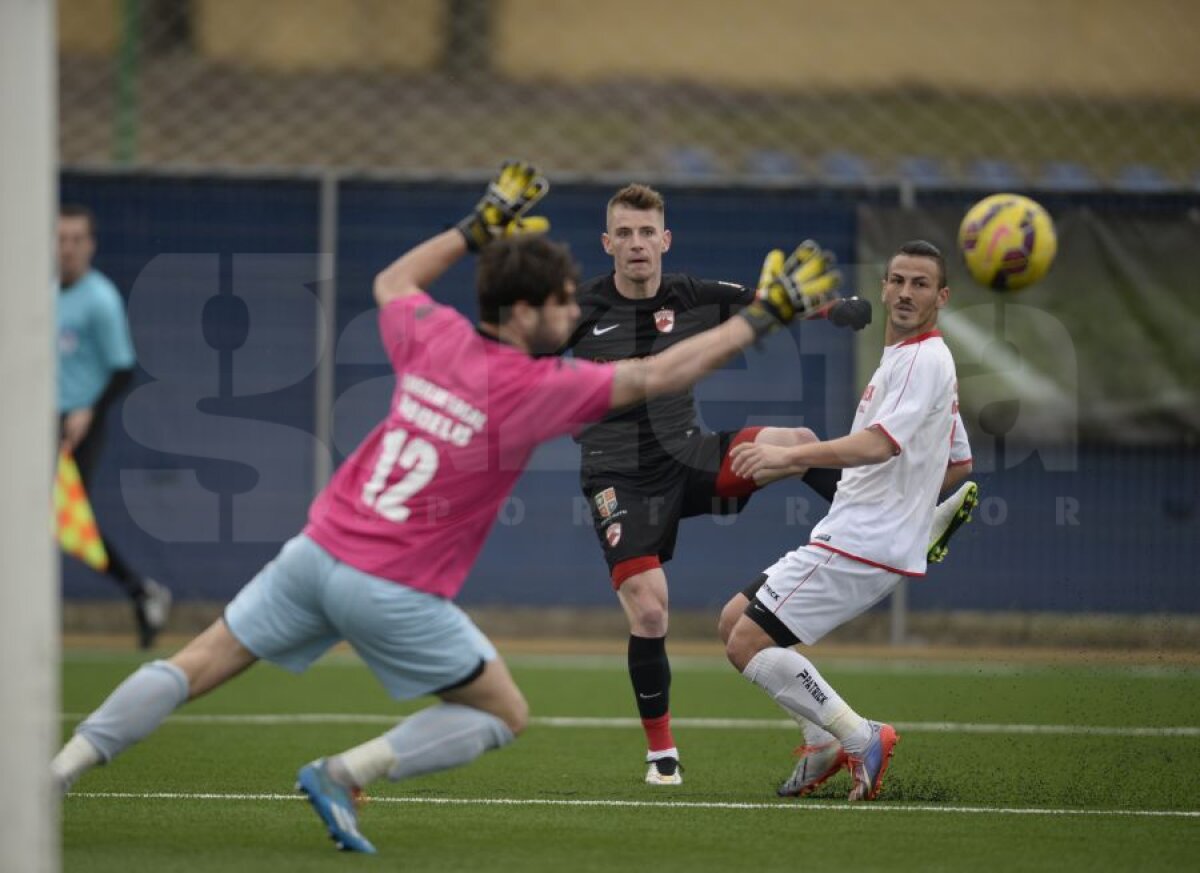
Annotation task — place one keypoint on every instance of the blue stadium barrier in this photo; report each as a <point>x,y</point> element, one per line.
<point>1141,178</point>
<point>994,174</point>
<point>690,163</point>
<point>923,171</point>
<point>846,168</point>
<point>774,164</point>
<point>1068,176</point>
<point>233,458</point>
<point>201,493</point>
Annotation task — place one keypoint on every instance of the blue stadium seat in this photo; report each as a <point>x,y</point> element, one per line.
<point>923,171</point>
<point>846,168</point>
<point>773,164</point>
<point>1068,176</point>
<point>690,162</point>
<point>994,173</point>
<point>1142,178</point>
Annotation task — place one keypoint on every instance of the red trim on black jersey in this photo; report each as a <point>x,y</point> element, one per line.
<point>631,567</point>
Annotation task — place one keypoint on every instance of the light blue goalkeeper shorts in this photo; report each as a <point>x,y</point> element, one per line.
<point>306,600</point>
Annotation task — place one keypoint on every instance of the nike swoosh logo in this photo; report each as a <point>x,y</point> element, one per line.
<point>650,696</point>
<point>596,331</point>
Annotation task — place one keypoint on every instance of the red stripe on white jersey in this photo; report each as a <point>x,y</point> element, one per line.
<point>869,563</point>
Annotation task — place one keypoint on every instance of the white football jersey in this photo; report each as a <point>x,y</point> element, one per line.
<point>882,513</point>
<point>960,445</point>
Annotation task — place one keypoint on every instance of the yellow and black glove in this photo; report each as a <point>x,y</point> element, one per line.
<point>501,211</point>
<point>799,285</point>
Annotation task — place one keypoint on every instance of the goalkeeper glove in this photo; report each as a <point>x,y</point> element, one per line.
<point>501,211</point>
<point>852,312</point>
<point>799,286</point>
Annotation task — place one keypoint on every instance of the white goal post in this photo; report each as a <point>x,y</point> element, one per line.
<point>29,589</point>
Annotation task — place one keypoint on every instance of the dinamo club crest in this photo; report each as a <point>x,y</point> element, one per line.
<point>613,534</point>
<point>606,503</point>
<point>664,320</point>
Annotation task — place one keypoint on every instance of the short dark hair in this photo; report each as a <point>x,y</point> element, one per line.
<point>78,210</point>
<point>919,248</point>
<point>531,268</point>
<point>637,196</point>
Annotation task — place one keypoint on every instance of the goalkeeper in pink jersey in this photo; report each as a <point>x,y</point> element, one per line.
<point>392,537</point>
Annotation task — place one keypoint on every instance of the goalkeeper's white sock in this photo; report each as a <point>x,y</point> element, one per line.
<point>438,738</point>
<point>796,685</point>
<point>76,758</point>
<point>134,710</point>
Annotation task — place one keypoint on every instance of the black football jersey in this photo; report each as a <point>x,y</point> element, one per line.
<point>612,328</point>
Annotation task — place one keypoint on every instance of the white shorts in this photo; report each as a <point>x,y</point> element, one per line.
<point>813,590</point>
<point>305,601</point>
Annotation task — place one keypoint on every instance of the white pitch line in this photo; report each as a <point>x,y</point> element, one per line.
<point>929,727</point>
<point>938,727</point>
<point>667,804</point>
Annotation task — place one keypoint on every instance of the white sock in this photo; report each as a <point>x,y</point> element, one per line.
<point>363,764</point>
<point>796,685</point>
<point>814,734</point>
<point>76,758</point>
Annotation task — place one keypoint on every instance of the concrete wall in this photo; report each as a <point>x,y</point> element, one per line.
<point>1094,48</point>
<point>321,34</point>
<point>1091,48</point>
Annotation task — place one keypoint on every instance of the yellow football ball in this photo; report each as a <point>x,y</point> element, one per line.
<point>1007,241</point>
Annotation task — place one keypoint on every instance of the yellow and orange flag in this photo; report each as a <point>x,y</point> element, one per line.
<point>78,534</point>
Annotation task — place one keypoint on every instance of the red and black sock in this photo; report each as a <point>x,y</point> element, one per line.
<point>650,673</point>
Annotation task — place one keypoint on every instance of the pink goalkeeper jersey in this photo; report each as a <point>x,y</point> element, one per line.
<point>416,500</point>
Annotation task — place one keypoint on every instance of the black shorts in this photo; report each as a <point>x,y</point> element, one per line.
<point>87,453</point>
<point>636,515</point>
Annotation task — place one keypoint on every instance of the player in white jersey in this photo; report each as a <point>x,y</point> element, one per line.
<point>897,458</point>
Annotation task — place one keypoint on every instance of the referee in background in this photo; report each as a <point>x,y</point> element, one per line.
<point>95,365</point>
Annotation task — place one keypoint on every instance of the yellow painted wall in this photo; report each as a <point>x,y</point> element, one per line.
<point>1089,47</point>
<point>290,35</point>
<point>87,26</point>
<point>1093,48</point>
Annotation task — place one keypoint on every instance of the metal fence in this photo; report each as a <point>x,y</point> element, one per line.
<point>1065,94</point>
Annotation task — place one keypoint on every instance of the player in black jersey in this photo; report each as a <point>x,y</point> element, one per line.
<point>646,467</point>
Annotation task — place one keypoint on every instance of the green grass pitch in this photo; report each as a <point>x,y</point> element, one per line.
<point>1000,767</point>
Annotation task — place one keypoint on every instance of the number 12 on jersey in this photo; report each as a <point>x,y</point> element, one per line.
<point>419,462</point>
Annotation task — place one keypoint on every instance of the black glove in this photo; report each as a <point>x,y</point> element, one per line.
<point>501,211</point>
<point>851,312</point>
